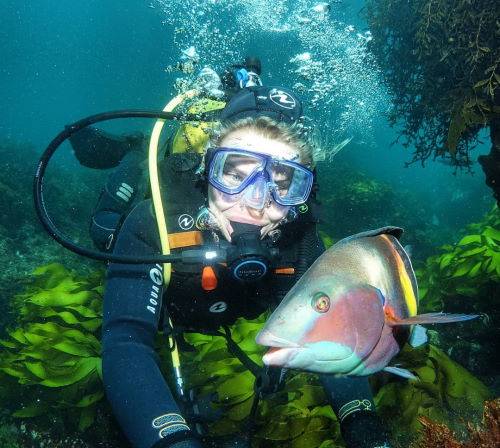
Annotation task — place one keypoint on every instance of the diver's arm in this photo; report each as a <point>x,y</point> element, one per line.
<point>351,400</point>
<point>135,387</point>
<point>116,199</point>
<point>95,148</point>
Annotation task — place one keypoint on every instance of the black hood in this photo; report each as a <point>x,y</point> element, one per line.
<point>278,103</point>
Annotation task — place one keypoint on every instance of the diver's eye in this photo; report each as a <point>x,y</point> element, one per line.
<point>320,302</point>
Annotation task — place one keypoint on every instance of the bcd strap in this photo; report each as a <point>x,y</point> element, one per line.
<point>267,380</point>
<point>236,351</point>
<point>185,239</point>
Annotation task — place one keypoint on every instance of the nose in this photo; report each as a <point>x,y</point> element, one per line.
<point>257,194</point>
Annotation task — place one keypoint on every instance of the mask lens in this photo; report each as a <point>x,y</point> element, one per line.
<point>282,176</point>
<point>231,171</point>
<point>292,182</point>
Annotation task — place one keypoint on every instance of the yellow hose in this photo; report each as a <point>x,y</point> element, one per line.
<point>154,180</point>
<point>160,215</point>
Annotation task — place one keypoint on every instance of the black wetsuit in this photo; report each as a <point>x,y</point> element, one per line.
<point>135,387</point>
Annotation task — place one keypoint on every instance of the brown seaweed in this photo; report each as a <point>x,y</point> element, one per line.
<point>486,435</point>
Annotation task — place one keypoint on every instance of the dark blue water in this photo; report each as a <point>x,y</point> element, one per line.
<point>62,61</point>
<point>65,60</point>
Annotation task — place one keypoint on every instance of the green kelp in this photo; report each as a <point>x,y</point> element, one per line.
<point>464,269</point>
<point>328,241</point>
<point>52,361</point>
<point>444,392</point>
<point>54,343</point>
<point>466,277</point>
<point>462,277</point>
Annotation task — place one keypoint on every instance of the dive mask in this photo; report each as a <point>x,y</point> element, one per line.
<point>234,171</point>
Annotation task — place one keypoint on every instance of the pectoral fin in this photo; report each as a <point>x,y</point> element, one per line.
<point>430,318</point>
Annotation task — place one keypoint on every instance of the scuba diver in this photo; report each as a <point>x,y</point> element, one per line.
<point>246,185</point>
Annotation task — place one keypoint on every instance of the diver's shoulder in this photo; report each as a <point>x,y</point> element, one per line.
<point>140,219</point>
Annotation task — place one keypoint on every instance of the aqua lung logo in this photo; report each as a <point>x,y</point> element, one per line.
<point>185,221</point>
<point>156,275</point>
<point>169,424</point>
<point>218,307</point>
<point>282,99</point>
<point>354,406</point>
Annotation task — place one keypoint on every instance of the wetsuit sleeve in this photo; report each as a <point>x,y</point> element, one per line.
<point>134,384</point>
<point>351,400</point>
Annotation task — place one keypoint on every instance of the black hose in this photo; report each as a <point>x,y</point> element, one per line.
<point>41,209</point>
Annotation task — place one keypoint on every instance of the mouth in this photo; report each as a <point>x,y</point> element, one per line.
<point>281,356</point>
<point>322,357</point>
<point>281,351</point>
<point>267,339</point>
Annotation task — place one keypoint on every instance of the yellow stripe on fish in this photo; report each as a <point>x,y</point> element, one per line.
<point>406,283</point>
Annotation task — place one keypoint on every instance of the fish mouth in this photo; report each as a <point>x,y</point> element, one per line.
<point>281,352</point>
<point>282,357</point>
<point>306,357</point>
<point>266,338</point>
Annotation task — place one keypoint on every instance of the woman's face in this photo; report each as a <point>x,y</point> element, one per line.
<point>228,207</point>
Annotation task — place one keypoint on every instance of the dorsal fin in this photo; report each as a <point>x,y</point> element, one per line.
<point>387,230</point>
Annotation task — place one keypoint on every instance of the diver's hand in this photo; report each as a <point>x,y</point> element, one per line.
<point>364,429</point>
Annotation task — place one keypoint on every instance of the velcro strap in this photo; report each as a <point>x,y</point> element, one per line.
<point>185,239</point>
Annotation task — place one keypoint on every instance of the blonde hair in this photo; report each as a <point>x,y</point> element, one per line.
<point>271,129</point>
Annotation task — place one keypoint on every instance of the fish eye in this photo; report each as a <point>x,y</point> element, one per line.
<point>320,302</point>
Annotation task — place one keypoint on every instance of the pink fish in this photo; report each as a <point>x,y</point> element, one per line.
<point>352,311</point>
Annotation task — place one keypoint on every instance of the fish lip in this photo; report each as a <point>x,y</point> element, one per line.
<point>266,338</point>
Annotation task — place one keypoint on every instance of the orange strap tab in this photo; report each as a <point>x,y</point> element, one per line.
<point>284,271</point>
<point>185,239</point>
<point>208,279</point>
